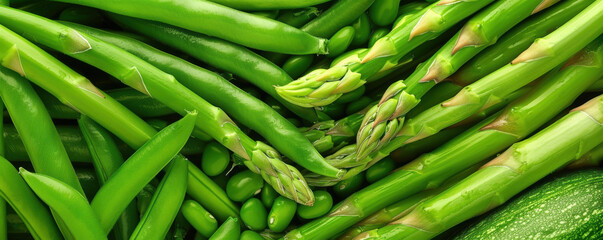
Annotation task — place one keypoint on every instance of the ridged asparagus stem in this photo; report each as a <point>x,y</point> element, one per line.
<point>430,170</point>
<point>324,86</point>
<point>387,117</point>
<point>517,168</point>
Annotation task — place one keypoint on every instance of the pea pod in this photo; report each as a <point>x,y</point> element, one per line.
<point>199,218</point>
<point>218,203</point>
<point>229,230</point>
<point>165,203</point>
<point>267,14</point>
<point>253,214</point>
<point>298,17</point>
<point>321,206</point>
<point>384,12</point>
<point>295,66</point>
<point>363,30</point>
<point>243,28</point>
<point>106,159</point>
<point>341,14</point>
<point>68,203</point>
<point>281,214</point>
<point>379,170</point>
<point>35,215</point>
<point>268,195</point>
<point>251,235</point>
<point>268,4</point>
<point>243,185</point>
<point>340,41</point>
<point>121,188</point>
<point>215,159</point>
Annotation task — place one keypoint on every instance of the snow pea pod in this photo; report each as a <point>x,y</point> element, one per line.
<point>243,28</point>
<point>106,159</point>
<point>199,218</point>
<point>221,54</point>
<point>281,214</point>
<point>22,199</point>
<point>165,204</point>
<point>27,110</point>
<point>215,159</point>
<point>256,5</point>
<point>253,214</point>
<point>230,230</point>
<point>384,12</point>
<point>121,188</point>
<point>68,203</point>
<point>341,14</point>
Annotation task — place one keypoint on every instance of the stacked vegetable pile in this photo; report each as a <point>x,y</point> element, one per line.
<point>316,119</point>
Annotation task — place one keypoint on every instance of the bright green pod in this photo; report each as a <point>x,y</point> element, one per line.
<point>339,15</point>
<point>322,205</point>
<point>215,159</point>
<point>348,186</point>
<point>217,203</point>
<point>68,203</point>
<point>384,12</point>
<point>340,41</point>
<point>380,170</point>
<point>377,34</point>
<point>295,66</point>
<point>363,30</point>
<point>251,235</point>
<point>199,218</point>
<point>147,162</point>
<point>282,212</point>
<point>254,214</point>
<point>298,17</point>
<point>268,195</point>
<point>230,230</point>
<point>165,204</point>
<point>255,5</point>
<point>244,185</point>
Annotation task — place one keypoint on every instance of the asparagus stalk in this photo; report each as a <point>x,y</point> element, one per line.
<point>78,92</point>
<point>324,86</point>
<point>517,168</point>
<point>517,40</point>
<point>597,86</point>
<point>3,221</point>
<point>387,118</point>
<point>518,120</point>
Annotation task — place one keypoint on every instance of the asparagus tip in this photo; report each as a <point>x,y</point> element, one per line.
<point>427,22</point>
<point>12,60</point>
<point>447,2</point>
<point>467,37</point>
<point>543,5</point>
<point>382,48</point>
<point>534,52</point>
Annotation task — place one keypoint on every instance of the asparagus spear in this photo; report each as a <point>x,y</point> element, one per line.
<point>517,40</point>
<point>518,120</point>
<point>387,118</point>
<point>517,168</point>
<point>597,86</point>
<point>324,86</point>
<point>78,92</point>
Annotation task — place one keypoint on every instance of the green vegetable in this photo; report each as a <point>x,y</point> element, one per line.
<point>215,159</point>
<point>339,15</point>
<point>66,202</point>
<point>376,35</point>
<point>244,185</point>
<point>363,32</point>
<point>165,204</point>
<point>321,206</point>
<point>244,28</point>
<point>121,188</point>
<point>83,15</point>
<point>560,207</point>
<point>349,185</point>
<point>298,17</point>
<point>3,219</point>
<point>506,175</point>
<point>323,87</point>
<point>199,218</point>
<point>384,12</point>
<point>255,5</point>
<point>230,230</point>
<point>251,235</point>
<point>295,66</point>
<point>268,195</point>
<point>254,214</point>
<point>281,214</point>
<point>379,170</point>
<point>340,41</point>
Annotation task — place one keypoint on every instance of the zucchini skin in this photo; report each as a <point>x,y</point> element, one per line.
<point>564,206</point>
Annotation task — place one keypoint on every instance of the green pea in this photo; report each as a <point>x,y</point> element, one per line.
<point>268,195</point>
<point>384,12</point>
<point>363,30</point>
<point>251,235</point>
<point>230,230</point>
<point>322,205</point>
<point>341,41</point>
<point>215,159</point>
<point>377,34</point>
<point>244,185</point>
<point>295,66</point>
<point>253,214</point>
<point>380,170</point>
<point>349,186</point>
<point>199,218</point>
<point>281,214</point>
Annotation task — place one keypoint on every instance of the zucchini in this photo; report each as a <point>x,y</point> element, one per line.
<point>567,206</point>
